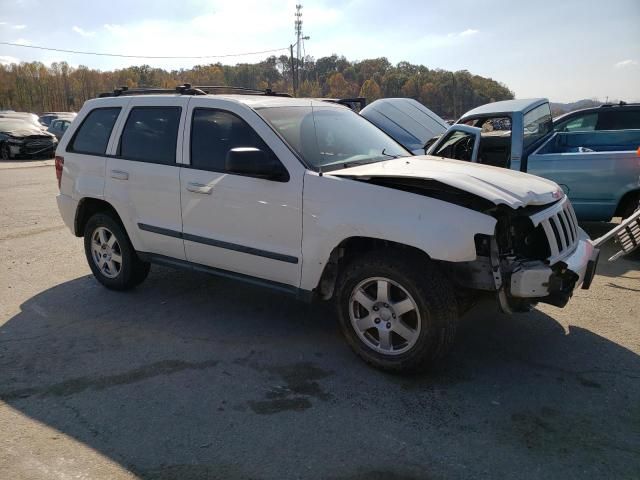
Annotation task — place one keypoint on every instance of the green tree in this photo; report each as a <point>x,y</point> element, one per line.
<point>338,86</point>
<point>370,90</point>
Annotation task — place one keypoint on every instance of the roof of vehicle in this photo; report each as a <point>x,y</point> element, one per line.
<point>597,109</point>
<point>506,106</point>
<point>253,101</point>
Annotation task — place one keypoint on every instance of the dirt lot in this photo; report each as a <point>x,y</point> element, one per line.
<point>191,376</point>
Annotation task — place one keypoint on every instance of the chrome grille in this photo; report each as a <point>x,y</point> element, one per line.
<point>561,228</point>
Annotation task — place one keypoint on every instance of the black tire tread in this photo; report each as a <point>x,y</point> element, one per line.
<point>134,271</point>
<point>430,285</point>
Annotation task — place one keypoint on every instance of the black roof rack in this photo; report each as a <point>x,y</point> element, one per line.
<point>188,89</point>
<point>248,91</point>
<point>348,102</point>
<point>620,104</point>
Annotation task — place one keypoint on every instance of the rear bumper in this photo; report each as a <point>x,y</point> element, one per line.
<point>67,207</point>
<point>554,284</point>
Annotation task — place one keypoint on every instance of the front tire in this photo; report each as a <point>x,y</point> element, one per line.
<point>5,153</point>
<point>396,310</point>
<point>111,256</point>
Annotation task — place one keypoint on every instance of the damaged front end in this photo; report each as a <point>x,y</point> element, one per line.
<point>538,254</point>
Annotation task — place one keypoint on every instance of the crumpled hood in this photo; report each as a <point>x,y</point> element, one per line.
<point>498,185</point>
<point>27,132</point>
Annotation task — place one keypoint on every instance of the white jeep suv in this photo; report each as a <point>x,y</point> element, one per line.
<point>309,198</point>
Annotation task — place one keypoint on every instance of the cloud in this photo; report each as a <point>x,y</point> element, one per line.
<point>15,27</point>
<point>113,28</point>
<point>7,60</point>
<point>626,63</point>
<point>22,41</point>
<point>468,32</point>
<point>82,31</point>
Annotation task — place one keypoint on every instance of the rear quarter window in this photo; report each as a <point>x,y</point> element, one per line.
<point>92,137</point>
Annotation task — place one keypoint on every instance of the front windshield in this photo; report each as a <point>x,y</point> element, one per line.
<point>331,137</point>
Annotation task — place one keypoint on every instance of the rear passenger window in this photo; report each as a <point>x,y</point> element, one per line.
<point>619,119</point>
<point>93,135</point>
<point>151,135</point>
<point>214,133</point>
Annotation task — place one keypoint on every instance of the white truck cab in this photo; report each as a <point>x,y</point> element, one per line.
<point>309,198</point>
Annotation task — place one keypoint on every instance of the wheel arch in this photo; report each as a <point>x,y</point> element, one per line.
<point>630,196</point>
<point>352,248</point>
<point>89,206</point>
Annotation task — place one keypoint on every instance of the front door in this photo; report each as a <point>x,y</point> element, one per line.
<point>241,223</point>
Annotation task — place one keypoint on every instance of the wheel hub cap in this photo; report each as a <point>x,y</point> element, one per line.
<point>384,315</point>
<point>106,252</point>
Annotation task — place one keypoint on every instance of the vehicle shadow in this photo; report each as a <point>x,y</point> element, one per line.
<point>191,376</point>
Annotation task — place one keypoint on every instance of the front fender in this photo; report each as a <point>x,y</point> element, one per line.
<point>338,208</point>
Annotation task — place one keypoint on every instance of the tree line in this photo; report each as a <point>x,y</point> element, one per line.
<point>35,87</point>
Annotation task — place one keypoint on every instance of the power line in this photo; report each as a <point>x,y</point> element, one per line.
<point>142,56</point>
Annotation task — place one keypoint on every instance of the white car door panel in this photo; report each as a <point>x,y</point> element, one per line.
<point>143,177</point>
<point>248,225</point>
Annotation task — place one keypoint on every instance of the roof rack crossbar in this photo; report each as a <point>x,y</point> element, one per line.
<point>250,91</point>
<point>188,89</point>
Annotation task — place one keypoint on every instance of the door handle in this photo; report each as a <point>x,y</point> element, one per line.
<point>119,175</point>
<point>199,188</point>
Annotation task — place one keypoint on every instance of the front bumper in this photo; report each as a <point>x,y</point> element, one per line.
<point>555,283</point>
<point>36,151</point>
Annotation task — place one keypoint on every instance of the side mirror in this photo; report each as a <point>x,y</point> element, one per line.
<point>254,162</point>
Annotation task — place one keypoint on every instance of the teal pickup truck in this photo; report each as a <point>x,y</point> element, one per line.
<point>598,170</point>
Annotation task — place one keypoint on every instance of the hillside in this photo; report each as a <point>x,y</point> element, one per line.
<point>37,88</point>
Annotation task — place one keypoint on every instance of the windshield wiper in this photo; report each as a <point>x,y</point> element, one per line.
<point>388,154</point>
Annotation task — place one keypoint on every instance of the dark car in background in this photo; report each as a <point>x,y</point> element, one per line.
<point>47,117</point>
<point>59,126</point>
<point>619,116</point>
<point>20,138</point>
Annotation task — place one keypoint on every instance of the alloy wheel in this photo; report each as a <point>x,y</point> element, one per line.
<point>106,252</point>
<point>384,315</point>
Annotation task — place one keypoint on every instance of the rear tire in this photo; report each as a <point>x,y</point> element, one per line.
<point>404,326</point>
<point>631,204</point>
<point>111,256</point>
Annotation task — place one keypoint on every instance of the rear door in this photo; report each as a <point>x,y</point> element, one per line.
<point>143,176</point>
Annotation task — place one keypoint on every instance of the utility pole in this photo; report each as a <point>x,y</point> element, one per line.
<point>293,76</point>
<point>299,39</point>
<point>453,95</point>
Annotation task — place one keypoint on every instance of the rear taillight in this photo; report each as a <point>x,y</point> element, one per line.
<point>59,165</point>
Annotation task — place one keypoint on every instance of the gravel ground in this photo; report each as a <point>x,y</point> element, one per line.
<point>191,376</point>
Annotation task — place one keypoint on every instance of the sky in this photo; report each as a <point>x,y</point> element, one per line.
<point>564,50</point>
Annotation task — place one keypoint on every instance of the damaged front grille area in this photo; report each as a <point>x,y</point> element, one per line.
<point>560,227</point>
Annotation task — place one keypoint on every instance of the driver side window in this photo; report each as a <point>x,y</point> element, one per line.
<point>458,145</point>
